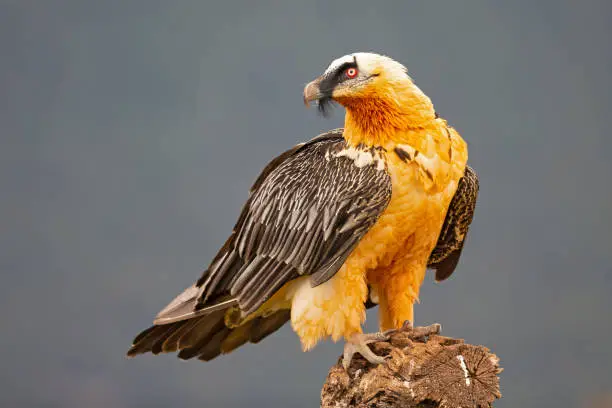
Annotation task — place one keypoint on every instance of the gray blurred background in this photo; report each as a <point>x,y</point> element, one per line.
<point>131,131</point>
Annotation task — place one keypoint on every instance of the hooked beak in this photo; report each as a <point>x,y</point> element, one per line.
<point>312,91</point>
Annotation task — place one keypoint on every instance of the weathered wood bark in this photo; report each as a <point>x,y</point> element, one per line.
<point>423,369</point>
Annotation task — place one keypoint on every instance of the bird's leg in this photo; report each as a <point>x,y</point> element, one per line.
<point>418,332</point>
<point>358,343</point>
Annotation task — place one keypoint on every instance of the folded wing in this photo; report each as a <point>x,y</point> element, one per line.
<point>307,211</point>
<point>445,256</point>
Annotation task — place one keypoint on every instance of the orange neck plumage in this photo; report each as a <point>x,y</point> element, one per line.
<point>388,116</point>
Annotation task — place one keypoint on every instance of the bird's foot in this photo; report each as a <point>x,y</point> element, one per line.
<point>418,332</point>
<point>358,343</point>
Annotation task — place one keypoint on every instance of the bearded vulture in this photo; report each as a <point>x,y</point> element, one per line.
<point>354,215</point>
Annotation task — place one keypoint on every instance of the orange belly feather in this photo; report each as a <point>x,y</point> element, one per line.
<point>392,256</point>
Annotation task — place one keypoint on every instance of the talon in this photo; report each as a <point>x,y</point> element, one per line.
<point>416,332</point>
<point>407,326</point>
<point>358,343</point>
<point>425,331</point>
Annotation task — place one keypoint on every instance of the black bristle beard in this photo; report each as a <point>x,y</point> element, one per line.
<point>325,105</point>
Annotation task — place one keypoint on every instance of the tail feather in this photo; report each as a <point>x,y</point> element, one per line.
<point>146,340</point>
<point>156,348</point>
<point>268,325</point>
<point>213,347</point>
<point>205,337</point>
<point>203,326</point>
<point>171,344</point>
<point>144,334</point>
<point>237,337</point>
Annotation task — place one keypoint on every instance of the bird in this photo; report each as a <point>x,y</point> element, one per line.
<point>352,218</point>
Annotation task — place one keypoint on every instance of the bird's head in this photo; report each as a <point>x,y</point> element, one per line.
<point>376,91</point>
<point>355,77</point>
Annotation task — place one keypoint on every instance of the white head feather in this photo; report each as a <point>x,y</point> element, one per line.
<point>367,61</point>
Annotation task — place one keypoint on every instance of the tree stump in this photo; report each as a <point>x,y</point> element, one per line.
<point>423,369</point>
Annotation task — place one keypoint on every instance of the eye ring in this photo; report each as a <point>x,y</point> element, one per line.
<point>351,72</point>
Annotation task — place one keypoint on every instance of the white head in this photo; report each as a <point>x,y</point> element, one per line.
<point>369,62</point>
<point>355,77</point>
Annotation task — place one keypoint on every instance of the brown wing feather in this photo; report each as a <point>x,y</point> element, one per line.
<point>304,218</point>
<point>445,256</point>
<point>307,211</point>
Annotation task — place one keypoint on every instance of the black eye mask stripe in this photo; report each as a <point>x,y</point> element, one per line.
<point>335,77</point>
<point>329,82</point>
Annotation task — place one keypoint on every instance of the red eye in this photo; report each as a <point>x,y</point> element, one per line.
<point>351,72</point>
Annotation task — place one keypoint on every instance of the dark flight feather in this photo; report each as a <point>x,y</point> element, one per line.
<point>445,256</point>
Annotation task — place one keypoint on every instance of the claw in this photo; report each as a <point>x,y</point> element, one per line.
<point>358,343</point>
<point>416,332</point>
<point>407,326</point>
<point>426,331</point>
